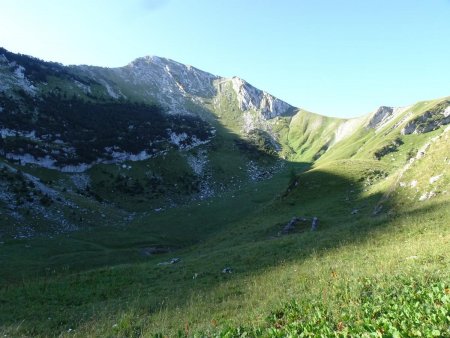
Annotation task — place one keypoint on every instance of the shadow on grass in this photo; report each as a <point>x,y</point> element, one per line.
<point>174,228</point>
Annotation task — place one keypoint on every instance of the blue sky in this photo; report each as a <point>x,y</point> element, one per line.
<point>334,57</point>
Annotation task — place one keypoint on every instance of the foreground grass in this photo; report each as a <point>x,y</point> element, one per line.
<point>334,280</point>
<point>408,308</point>
<point>358,275</point>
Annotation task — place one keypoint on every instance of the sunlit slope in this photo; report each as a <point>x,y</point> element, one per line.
<point>389,140</point>
<point>310,135</point>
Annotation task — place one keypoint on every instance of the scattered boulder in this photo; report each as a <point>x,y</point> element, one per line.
<point>427,195</point>
<point>227,270</point>
<point>314,223</point>
<point>170,261</point>
<point>290,227</point>
<point>355,211</point>
<point>435,178</point>
<point>296,224</point>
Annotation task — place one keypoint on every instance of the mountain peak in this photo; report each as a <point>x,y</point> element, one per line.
<point>170,81</point>
<point>383,115</point>
<point>159,61</point>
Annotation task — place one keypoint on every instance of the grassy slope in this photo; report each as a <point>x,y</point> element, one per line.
<point>363,143</point>
<point>330,268</point>
<point>309,135</point>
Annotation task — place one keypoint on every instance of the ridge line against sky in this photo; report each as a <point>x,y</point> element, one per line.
<point>335,57</point>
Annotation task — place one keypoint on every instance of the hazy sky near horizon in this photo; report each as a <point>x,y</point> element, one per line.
<point>334,57</point>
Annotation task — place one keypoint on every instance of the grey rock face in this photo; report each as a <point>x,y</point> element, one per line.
<point>171,83</point>
<point>383,113</point>
<point>251,98</point>
<point>429,121</point>
<point>15,78</point>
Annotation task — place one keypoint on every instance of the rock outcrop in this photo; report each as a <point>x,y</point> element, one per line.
<point>383,115</point>
<point>171,83</point>
<point>290,227</point>
<point>429,121</point>
<point>251,98</point>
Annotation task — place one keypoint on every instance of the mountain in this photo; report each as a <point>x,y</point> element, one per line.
<point>189,134</point>
<point>105,168</point>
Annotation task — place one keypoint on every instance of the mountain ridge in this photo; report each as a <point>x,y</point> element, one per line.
<point>175,62</point>
<point>183,89</point>
<point>165,134</point>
